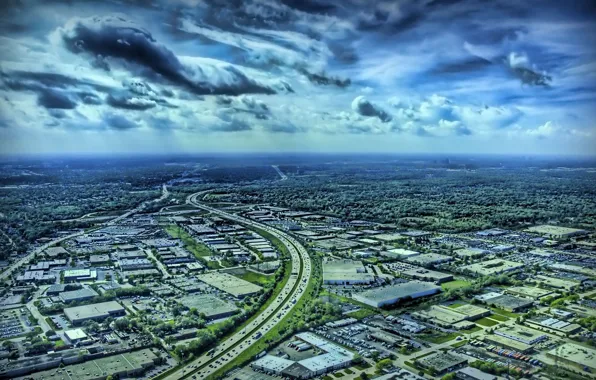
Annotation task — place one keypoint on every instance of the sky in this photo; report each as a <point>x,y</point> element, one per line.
<point>192,76</point>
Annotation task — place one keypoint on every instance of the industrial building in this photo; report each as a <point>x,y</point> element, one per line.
<point>575,355</point>
<point>521,334</point>
<point>345,272</point>
<point>556,232</point>
<point>389,295</point>
<point>428,275</point>
<point>75,336</point>
<point>442,362</point>
<point>78,295</point>
<point>429,259</point>
<point>72,275</point>
<point>94,312</point>
<point>554,324</point>
<point>492,267</point>
<point>334,357</point>
<point>233,285</point>
<point>211,306</point>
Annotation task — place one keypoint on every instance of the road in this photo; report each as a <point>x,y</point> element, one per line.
<point>281,174</point>
<point>294,289</point>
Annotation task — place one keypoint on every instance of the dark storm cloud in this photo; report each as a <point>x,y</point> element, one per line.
<point>47,79</point>
<point>234,126</point>
<point>118,122</point>
<point>52,98</point>
<point>116,37</point>
<point>531,77</point>
<point>325,80</point>
<point>311,6</point>
<point>472,64</point>
<point>363,107</point>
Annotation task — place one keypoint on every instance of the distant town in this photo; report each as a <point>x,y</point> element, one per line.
<point>191,284</point>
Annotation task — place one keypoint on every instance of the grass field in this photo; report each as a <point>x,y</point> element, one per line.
<point>456,304</point>
<point>487,322</point>
<point>455,284</point>
<point>498,317</point>
<point>200,250</point>
<point>472,330</point>
<point>459,343</point>
<point>504,312</point>
<point>256,278</point>
<point>361,313</point>
<point>439,338</point>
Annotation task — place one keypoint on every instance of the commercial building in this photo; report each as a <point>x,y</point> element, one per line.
<point>554,324</point>
<point>492,267</point>
<point>427,275</point>
<point>233,285</point>
<point>76,335</point>
<point>556,232</point>
<point>78,295</point>
<point>211,306</point>
<point>521,334</point>
<point>529,292</point>
<point>442,362</point>
<point>72,275</point>
<point>392,294</point>
<point>345,272</point>
<point>99,259</point>
<point>470,252</point>
<point>94,312</point>
<point>506,302</point>
<point>334,357</point>
<point>36,277</point>
<point>401,253</point>
<point>134,264</point>
<point>471,373</point>
<point>575,355</point>
<point>429,259</point>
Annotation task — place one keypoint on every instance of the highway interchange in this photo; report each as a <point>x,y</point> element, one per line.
<point>294,289</point>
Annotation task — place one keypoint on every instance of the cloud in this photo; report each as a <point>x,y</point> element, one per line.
<point>363,107</point>
<point>520,66</point>
<point>52,98</point>
<point>118,122</point>
<point>118,38</point>
<point>326,80</point>
<point>125,101</point>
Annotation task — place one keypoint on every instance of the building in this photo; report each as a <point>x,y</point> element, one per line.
<point>556,232</point>
<point>427,275</point>
<point>554,324</point>
<point>429,259</point>
<point>442,362</point>
<point>99,259</point>
<point>272,365</point>
<point>345,272</point>
<point>94,312</point>
<point>471,373</point>
<point>233,285</point>
<point>575,355</point>
<point>78,295</point>
<point>492,267</point>
<point>392,294</point>
<point>521,334</point>
<point>134,264</point>
<point>75,336</point>
<point>72,275</point>
<point>36,277</point>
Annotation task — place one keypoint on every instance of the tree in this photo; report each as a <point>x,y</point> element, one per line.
<point>363,376</point>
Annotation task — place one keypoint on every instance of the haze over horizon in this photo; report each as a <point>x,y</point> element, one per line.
<point>433,76</point>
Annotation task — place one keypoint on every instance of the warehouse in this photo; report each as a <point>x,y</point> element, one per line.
<point>272,365</point>
<point>79,275</point>
<point>76,335</point>
<point>211,306</point>
<point>233,285</point>
<point>134,264</point>
<point>429,259</point>
<point>556,232</point>
<point>529,292</point>
<point>428,275</point>
<point>442,362</point>
<point>401,253</point>
<point>94,312</point>
<point>521,334</point>
<point>507,302</point>
<point>576,355</point>
<point>470,252</point>
<point>554,324</point>
<point>394,293</point>
<point>345,272</point>
<point>493,267</point>
<point>78,295</point>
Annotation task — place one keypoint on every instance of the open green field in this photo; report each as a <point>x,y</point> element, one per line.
<point>498,317</point>
<point>455,284</point>
<point>439,338</point>
<point>487,322</point>
<point>456,304</point>
<point>504,312</point>
<point>256,278</point>
<point>472,330</point>
<point>198,249</point>
<point>361,313</point>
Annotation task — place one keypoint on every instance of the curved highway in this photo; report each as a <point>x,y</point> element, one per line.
<point>294,289</point>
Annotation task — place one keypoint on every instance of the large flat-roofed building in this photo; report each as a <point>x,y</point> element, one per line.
<point>75,335</point>
<point>556,232</point>
<point>134,264</point>
<point>78,295</point>
<point>575,355</point>
<point>94,312</point>
<point>230,284</point>
<point>521,334</point>
<point>529,292</point>
<point>272,364</point>
<point>211,306</point>
<point>79,275</point>
<point>429,259</point>
<point>442,362</point>
<point>471,373</point>
<point>427,275</point>
<point>401,253</point>
<point>389,295</point>
<point>492,267</point>
<point>505,301</point>
<point>470,252</point>
<point>554,324</point>
<point>345,272</point>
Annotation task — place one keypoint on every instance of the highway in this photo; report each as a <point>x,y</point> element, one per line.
<point>294,289</point>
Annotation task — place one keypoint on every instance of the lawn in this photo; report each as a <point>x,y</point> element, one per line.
<point>456,304</point>
<point>455,284</point>
<point>439,338</point>
<point>459,344</point>
<point>348,371</point>
<point>504,312</point>
<point>487,322</point>
<point>361,313</point>
<point>472,330</point>
<point>498,317</point>
<point>255,278</point>
<point>338,374</point>
<point>200,250</point>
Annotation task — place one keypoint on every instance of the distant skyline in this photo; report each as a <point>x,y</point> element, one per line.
<point>192,76</point>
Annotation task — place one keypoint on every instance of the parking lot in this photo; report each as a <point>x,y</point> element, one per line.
<point>12,323</point>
